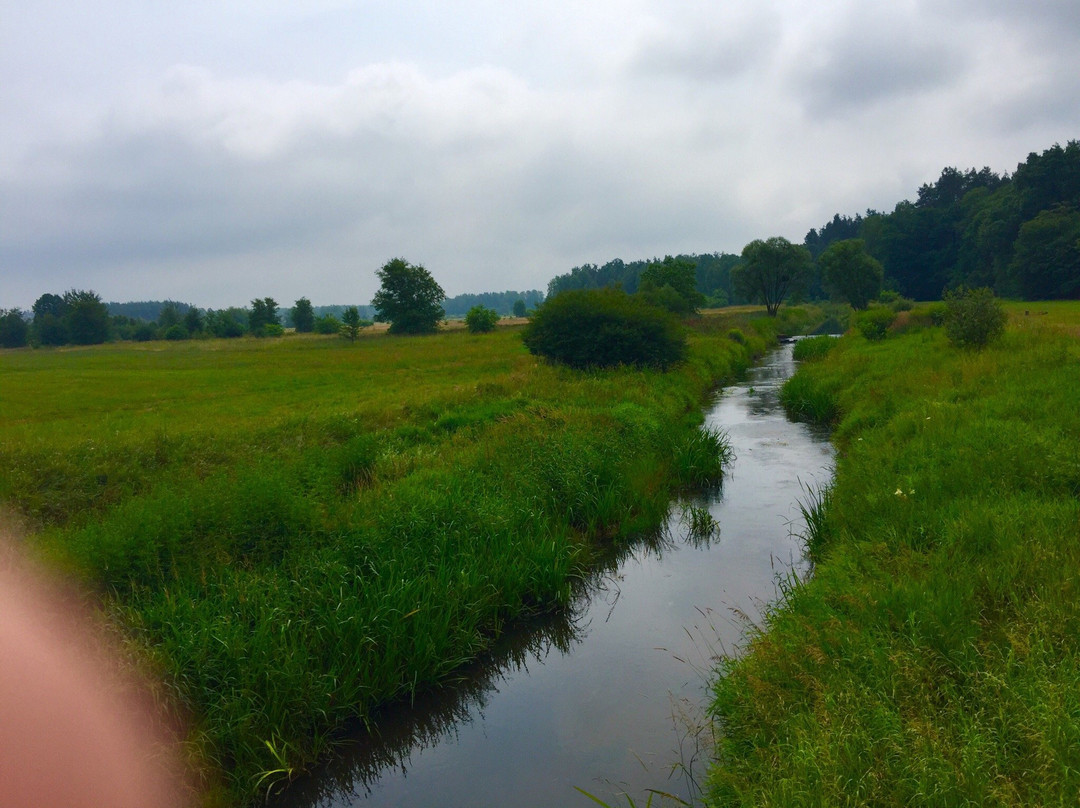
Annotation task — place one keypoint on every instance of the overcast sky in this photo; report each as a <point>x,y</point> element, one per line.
<point>212,152</point>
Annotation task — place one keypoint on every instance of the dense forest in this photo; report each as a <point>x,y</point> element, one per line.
<point>712,271</point>
<point>1018,235</point>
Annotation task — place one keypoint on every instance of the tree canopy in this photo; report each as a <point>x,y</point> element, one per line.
<point>409,298</point>
<point>303,316</point>
<point>672,285</point>
<point>850,273</point>
<point>771,270</point>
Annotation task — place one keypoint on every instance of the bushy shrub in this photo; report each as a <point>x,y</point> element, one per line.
<point>327,324</point>
<point>896,301</point>
<point>480,319</point>
<point>176,332</point>
<point>874,323</point>
<point>973,317</point>
<point>586,328</point>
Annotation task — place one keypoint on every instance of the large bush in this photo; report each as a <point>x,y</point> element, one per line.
<point>481,319</point>
<point>587,328</point>
<point>874,322</point>
<point>973,317</point>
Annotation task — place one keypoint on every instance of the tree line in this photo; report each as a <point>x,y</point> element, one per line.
<point>1018,235</point>
<point>80,317</point>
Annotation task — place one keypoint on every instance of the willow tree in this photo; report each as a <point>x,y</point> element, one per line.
<point>772,270</point>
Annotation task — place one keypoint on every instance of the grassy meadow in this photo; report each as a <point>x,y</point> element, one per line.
<point>933,658</point>
<point>290,532</point>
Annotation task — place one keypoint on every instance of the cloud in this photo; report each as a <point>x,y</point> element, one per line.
<point>475,173</point>
<point>869,57</point>
<point>707,48</point>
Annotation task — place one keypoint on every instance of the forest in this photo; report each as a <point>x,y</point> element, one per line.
<point>1018,235</point>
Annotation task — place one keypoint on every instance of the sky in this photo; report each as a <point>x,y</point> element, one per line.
<point>215,152</point>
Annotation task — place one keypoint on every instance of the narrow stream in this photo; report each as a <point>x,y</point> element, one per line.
<point>608,697</point>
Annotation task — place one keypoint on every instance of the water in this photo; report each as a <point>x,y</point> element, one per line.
<point>608,697</point>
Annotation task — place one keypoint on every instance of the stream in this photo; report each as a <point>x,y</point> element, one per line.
<point>608,697</point>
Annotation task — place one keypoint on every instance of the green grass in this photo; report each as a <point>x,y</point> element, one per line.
<point>292,532</point>
<point>933,658</point>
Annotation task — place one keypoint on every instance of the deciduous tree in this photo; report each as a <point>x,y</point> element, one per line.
<point>303,316</point>
<point>771,270</point>
<point>409,298</point>
<point>850,272</point>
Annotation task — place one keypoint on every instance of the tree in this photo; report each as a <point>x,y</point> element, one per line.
<point>263,313</point>
<point>672,285</point>
<point>87,317</point>
<point>303,316</point>
<point>350,323</point>
<point>1046,261</point>
<point>49,326</point>
<point>481,319</point>
<point>14,330</point>
<point>519,308</point>
<point>193,320</point>
<point>409,298</point>
<point>586,328</point>
<point>850,272</point>
<point>170,316</point>
<point>772,270</point>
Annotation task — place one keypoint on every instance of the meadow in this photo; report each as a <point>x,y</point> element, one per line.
<point>933,657</point>
<point>291,532</point>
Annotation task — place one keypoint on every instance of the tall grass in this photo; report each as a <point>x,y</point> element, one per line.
<point>934,656</point>
<point>294,532</point>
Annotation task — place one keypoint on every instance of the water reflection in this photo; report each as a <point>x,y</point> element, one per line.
<point>401,731</point>
<point>610,687</point>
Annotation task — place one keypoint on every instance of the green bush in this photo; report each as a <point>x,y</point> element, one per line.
<point>973,317</point>
<point>874,323</point>
<point>896,301</point>
<point>327,324</point>
<point>481,319</point>
<point>176,332</point>
<point>586,328</point>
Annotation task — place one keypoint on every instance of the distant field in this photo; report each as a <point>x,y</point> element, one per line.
<point>295,530</point>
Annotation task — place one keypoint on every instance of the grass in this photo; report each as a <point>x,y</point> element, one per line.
<point>934,656</point>
<point>292,532</point>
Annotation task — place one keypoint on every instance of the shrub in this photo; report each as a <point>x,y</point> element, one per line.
<point>273,330</point>
<point>327,324</point>
<point>176,332</point>
<point>973,317</point>
<point>896,301</point>
<point>874,323</point>
<point>586,328</point>
<point>481,319</point>
<point>735,335</point>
